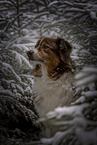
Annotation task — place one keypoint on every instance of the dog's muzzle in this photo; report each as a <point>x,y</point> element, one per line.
<point>33,56</point>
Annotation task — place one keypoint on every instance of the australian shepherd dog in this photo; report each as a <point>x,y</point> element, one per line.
<point>53,74</point>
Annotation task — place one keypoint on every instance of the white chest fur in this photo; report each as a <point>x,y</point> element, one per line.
<point>49,94</point>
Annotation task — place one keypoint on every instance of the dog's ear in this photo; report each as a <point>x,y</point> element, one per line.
<point>64,49</point>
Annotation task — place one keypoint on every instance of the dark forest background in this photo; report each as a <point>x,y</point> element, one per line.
<point>22,22</point>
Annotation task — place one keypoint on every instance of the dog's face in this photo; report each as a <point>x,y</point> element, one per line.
<point>54,53</point>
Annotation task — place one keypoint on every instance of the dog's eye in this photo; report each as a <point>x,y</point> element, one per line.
<point>45,47</point>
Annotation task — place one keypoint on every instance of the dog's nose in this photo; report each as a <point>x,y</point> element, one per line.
<point>30,55</point>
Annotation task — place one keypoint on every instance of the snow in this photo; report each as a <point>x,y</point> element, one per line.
<point>91,86</point>
<point>87,80</point>
<point>68,3</point>
<point>90,94</point>
<point>9,67</point>
<point>20,58</point>
<point>80,100</point>
<point>6,2</point>
<point>19,46</point>
<point>90,69</point>
<point>20,88</point>
<point>77,10</point>
<point>6,92</point>
<point>93,15</point>
<point>56,140</point>
<point>52,3</point>
<point>87,76</point>
<point>70,110</point>
<point>58,21</point>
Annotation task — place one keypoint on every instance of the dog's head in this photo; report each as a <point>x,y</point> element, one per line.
<point>55,54</point>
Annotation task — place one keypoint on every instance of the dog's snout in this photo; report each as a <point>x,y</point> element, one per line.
<point>30,54</point>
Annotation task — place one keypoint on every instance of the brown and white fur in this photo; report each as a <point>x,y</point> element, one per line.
<point>53,74</point>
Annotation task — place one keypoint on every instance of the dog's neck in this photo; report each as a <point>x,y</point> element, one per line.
<point>59,70</point>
